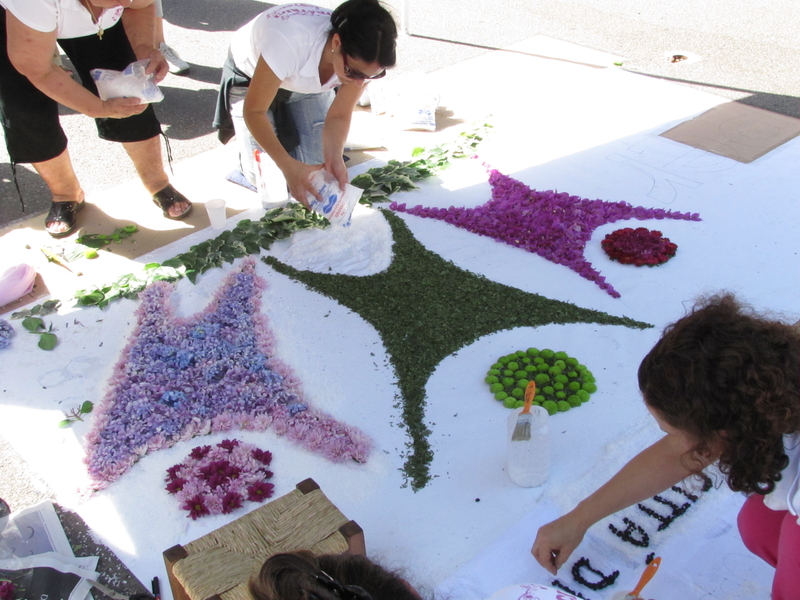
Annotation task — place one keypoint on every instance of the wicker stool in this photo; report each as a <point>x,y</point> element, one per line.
<point>218,565</point>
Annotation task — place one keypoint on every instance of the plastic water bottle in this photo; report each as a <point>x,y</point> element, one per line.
<point>529,460</point>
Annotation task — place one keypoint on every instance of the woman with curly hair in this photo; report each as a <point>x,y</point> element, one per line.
<point>304,576</point>
<point>723,383</point>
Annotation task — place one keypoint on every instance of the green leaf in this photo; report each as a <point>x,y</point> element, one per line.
<point>87,407</point>
<point>173,262</point>
<point>33,323</point>
<point>48,341</point>
<point>65,423</point>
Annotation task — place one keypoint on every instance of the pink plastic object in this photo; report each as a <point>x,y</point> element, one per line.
<point>16,282</point>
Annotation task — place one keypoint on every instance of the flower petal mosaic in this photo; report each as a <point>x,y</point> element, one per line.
<point>640,247</point>
<point>554,225</point>
<point>215,371</point>
<point>217,479</point>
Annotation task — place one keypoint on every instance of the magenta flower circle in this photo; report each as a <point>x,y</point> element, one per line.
<point>640,247</point>
<point>216,480</point>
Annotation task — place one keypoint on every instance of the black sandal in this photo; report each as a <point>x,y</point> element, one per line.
<point>168,197</point>
<point>62,212</point>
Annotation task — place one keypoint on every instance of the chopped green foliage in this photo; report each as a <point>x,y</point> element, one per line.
<point>425,308</point>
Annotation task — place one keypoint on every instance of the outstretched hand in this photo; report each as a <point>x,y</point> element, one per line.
<point>556,541</point>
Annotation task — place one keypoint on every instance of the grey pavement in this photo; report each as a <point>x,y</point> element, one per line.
<point>743,50</point>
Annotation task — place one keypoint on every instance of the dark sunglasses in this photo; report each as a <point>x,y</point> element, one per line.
<point>356,74</point>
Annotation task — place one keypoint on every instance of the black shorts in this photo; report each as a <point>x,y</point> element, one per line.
<point>30,117</point>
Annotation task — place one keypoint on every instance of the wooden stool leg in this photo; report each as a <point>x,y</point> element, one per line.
<point>354,535</point>
<point>172,556</point>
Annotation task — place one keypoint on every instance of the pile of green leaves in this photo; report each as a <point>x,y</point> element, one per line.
<point>425,308</point>
<point>399,176</point>
<point>561,381</point>
<point>248,237</point>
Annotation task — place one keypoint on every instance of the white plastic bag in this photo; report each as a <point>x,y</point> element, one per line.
<point>130,83</point>
<point>411,98</point>
<point>336,205</point>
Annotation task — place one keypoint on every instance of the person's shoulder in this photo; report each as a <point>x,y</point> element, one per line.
<point>40,15</point>
<point>286,12</point>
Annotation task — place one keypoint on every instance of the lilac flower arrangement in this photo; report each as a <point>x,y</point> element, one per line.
<point>211,372</point>
<point>556,226</point>
<point>217,480</point>
<point>6,331</point>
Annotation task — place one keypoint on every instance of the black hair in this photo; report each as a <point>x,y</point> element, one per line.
<point>367,31</point>
<point>303,576</point>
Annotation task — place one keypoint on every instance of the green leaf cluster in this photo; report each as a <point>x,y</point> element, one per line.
<point>127,286</point>
<point>561,381</point>
<point>35,325</point>
<point>98,240</point>
<point>379,183</point>
<point>248,237</point>
<point>40,310</point>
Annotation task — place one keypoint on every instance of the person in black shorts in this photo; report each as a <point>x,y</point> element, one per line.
<point>107,34</point>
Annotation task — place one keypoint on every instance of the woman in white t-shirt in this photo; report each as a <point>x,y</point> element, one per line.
<point>108,34</point>
<point>291,58</point>
<point>723,383</point>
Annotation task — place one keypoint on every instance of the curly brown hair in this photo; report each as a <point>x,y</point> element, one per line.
<point>304,576</point>
<point>729,378</point>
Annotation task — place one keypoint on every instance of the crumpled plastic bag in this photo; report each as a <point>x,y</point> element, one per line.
<point>16,282</point>
<point>130,83</point>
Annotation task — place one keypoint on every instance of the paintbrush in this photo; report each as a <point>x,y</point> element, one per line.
<point>649,571</point>
<point>522,430</point>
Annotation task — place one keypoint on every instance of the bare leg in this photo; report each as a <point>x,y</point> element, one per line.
<point>146,157</point>
<point>59,176</point>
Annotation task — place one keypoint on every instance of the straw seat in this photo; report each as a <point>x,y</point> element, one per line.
<point>218,565</point>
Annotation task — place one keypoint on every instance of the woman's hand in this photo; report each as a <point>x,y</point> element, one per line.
<point>119,108</point>
<point>297,176</point>
<point>556,541</point>
<point>338,169</point>
<point>158,64</point>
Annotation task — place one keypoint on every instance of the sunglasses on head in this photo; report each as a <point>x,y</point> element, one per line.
<point>356,74</point>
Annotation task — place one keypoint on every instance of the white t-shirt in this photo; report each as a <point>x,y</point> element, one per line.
<point>786,495</point>
<point>69,18</point>
<point>290,38</point>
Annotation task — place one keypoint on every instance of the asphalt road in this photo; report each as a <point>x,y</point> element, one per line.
<point>744,50</point>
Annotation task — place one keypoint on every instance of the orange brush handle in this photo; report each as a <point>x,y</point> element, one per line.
<point>647,576</point>
<point>530,392</point>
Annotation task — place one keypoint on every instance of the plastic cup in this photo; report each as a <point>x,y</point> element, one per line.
<point>216,213</point>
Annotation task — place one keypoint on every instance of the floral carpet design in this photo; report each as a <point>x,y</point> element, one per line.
<point>211,372</point>
<point>556,226</point>
<point>425,308</point>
